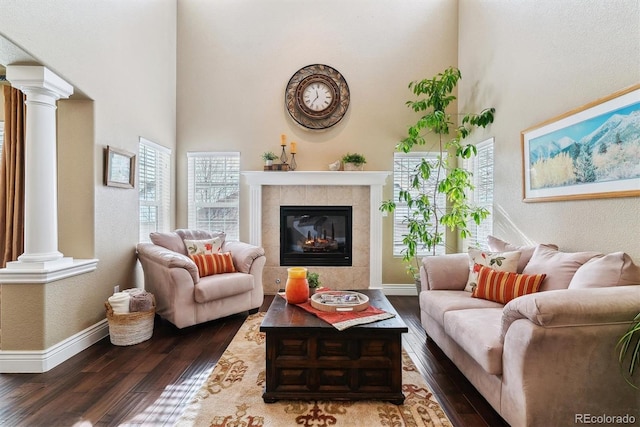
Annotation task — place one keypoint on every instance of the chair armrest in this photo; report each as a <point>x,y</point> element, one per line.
<point>243,254</point>
<point>445,272</point>
<point>574,307</point>
<point>148,252</point>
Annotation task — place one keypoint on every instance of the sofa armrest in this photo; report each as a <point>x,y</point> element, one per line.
<point>243,254</point>
<point>148,252</point>
<point>574,307</point>
<point>445,272</point>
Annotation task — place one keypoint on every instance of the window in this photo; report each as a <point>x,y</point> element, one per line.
<point>214,190</point>
<point>404,165</point>
<point>154,182</point>
<point>482,195</point>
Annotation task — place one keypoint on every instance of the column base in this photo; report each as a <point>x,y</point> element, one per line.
<point>40,257</point>
<point>26,265</point>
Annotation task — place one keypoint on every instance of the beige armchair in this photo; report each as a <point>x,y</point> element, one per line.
<point>182,296</point>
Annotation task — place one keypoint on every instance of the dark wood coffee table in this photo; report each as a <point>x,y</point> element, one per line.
<point>308,359</point>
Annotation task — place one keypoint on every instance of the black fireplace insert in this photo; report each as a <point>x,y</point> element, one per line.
<point>315,235</point>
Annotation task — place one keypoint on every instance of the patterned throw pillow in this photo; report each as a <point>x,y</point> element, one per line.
<point>499,261</point>
<point>208,246</point>
<point>210,264</point>
<point>502,286</point>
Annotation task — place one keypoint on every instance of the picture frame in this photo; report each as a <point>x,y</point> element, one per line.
<point>587,153</point>
<point>120,168</point>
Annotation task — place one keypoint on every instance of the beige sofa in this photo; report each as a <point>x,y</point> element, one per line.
<point>182,296</point>
<point>543,359</point>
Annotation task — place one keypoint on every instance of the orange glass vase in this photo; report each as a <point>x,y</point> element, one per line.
<point>296,290</point>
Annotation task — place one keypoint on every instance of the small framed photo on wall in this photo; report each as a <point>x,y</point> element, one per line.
<point>120,168</point>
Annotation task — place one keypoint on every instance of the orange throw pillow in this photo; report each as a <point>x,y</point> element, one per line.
<point>503,286</point>
<point>209,264</point>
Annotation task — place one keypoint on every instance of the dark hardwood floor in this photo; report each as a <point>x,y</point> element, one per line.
<point>150,383</point>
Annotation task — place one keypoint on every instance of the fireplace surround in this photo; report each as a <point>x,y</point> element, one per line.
<point>362,190</point>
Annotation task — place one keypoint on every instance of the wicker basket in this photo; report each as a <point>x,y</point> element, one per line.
<point>130,328</point>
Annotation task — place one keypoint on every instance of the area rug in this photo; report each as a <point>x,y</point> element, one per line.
<point>232,396</point>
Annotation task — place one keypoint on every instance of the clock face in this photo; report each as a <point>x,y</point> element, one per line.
<point>317,97</point>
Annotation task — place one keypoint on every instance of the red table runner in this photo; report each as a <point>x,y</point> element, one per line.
<point>342,320</point>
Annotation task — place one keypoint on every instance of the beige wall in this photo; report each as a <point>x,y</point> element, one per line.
<point>534,60</point>
<point>530,60</point>
<point>120,56</point>
<point>236,57</point>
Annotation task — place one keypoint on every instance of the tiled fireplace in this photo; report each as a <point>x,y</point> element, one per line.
<point>360,190</point>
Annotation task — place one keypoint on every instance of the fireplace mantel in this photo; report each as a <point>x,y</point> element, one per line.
<point>372,179</point>
<point>317,178</point>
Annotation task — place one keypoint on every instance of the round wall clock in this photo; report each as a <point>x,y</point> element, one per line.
<point>317,97</point>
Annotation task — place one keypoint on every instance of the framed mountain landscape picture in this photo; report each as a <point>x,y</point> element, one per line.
<point>590,152</point>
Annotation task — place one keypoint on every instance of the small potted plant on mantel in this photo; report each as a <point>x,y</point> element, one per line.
<point>353,162</point>
<point>268,157</point>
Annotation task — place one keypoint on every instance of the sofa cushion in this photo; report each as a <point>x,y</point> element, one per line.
<point>210,264</point>
<point>498,245</point>
<point>205,246</point>
<point>503,286</point>
<point>558,266</point>
<point>445,272</point>
<point>436,303</point>
<point>477,331</point>
<point>499,261</point>
<point>222,286</point>
<point>615,269</point>
<point>171,241</point>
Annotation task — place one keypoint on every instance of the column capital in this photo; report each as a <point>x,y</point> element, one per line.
<point>38,78</point>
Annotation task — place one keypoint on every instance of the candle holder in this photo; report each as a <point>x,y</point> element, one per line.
<point>293,165</point>
<point>283,156</point>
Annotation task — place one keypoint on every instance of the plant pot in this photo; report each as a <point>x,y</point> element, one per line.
<point>353,166</point>
<point>268,162</point>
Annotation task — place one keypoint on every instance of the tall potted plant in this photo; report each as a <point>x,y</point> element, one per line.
<point>426,217</point>
<point>629,351</point>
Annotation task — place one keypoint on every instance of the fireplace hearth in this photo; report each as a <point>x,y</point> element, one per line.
<point>316,235</point>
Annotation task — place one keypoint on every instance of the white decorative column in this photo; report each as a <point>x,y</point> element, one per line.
<point>42,89</point>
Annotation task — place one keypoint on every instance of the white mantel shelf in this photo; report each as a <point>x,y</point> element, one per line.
<point>316,178</point>
<point>372,179</point>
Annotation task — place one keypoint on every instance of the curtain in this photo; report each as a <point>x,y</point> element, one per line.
<point>12,177</point>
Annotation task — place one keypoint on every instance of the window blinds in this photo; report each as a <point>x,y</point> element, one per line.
<point>214,192</point>
<point>154,182</point>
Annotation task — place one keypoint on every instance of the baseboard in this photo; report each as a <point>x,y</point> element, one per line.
<point>402,289</point>
<point>38,361</point>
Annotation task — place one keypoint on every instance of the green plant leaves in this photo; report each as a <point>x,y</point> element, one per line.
<point>629,347</point>
<point>434,95</point>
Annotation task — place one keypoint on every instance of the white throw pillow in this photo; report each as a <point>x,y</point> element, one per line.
<point>499,261</point>
<point>208,246</point>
